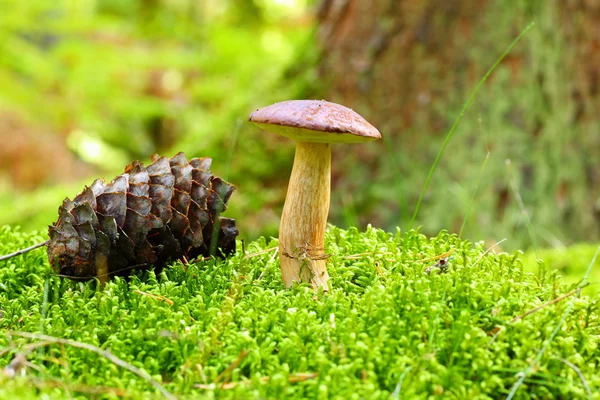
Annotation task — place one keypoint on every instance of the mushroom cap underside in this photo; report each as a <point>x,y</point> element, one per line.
<point>316,121</point>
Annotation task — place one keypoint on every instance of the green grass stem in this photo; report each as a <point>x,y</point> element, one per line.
<point>459,118</point>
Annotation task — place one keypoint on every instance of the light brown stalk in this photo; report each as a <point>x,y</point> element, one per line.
<point>304,218</point>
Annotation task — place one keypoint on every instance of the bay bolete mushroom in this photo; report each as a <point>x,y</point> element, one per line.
<point>314,125</point>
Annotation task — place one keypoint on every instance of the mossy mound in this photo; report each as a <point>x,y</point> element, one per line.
<point>229,329</point>
<point>571,262</point>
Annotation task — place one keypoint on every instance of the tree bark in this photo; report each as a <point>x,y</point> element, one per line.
<point>409,66</point>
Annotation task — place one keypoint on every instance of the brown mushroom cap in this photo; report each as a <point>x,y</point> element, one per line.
<point>317,121</point>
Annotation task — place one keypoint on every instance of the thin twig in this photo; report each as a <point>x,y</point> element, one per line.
<point>155,296</point>
<point>227,371</point>
<point>444,255</point>
<point>106,354</point>
<point>578,371</point>
<point>357,255</point>
<point>496,330</point>
<point>27,348</point>
<point>549,303</point>
<point>259,253</point>
<point>367,253</point>
<point>299,377</point>
<point>104,275</point>
<point>302,376</point>
<point>380,271</point>
<point>487,251</point>
<point>23,251</point>
<point>268,262</point>
<point>81,388</point>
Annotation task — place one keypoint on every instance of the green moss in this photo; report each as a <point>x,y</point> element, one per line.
<point>387,329</point>
<point>571,262</point>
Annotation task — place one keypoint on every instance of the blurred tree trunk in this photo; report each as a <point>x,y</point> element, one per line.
<point>392,55</point>
<point>408,66</point>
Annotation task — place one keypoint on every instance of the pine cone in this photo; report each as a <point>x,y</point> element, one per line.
<point>166,211</point>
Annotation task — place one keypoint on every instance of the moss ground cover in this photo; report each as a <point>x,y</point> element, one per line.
<point>228,329</point>
<point>571,262</point>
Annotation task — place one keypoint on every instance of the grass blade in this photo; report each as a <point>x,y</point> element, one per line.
<point>459,118</point>
<point>524,213</point>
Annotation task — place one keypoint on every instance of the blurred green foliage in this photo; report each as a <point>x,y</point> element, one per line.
<point>116,80</point>
<point>121,80</point>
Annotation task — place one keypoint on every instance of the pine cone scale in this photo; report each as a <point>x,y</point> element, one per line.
<point>108,225</point>
<point>86,197</point>
<point>183,177</point>
<point>181,201</point>
<point>161,196</point>
<point>140,204</point>
<point>103,243</point>
<point>113,204</point>
<point>179,223</point>
<point>83,213</point>
<point>136,227</point>
<point>86,231</point>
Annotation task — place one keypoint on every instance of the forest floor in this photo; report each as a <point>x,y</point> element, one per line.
<point>407,316</point>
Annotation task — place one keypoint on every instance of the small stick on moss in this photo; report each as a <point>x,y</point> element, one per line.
<point>81,388</point>
<point>542,306</point>
<point>578,372</point>
<point>487,251</point>
<point>109,356</point>
<point>268,262</point>
<point>100,276</point>
<point>443,255</point>
<point>260,253</point>
<point>302,376</point>
<point>227,371</point>
<point>358,256</point>
<point>155,296</point>
<point>16,366</point>
<point>23,251</point>
<point>26,349</point>
<point>184,264</point>
<point>299,377</point>
<point>380,271</point>
<point>549,303</point>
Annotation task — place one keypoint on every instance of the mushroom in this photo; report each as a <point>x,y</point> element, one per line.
<point>314,125</point>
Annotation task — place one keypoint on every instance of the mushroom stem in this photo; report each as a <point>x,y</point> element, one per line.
<point>304,218</point>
